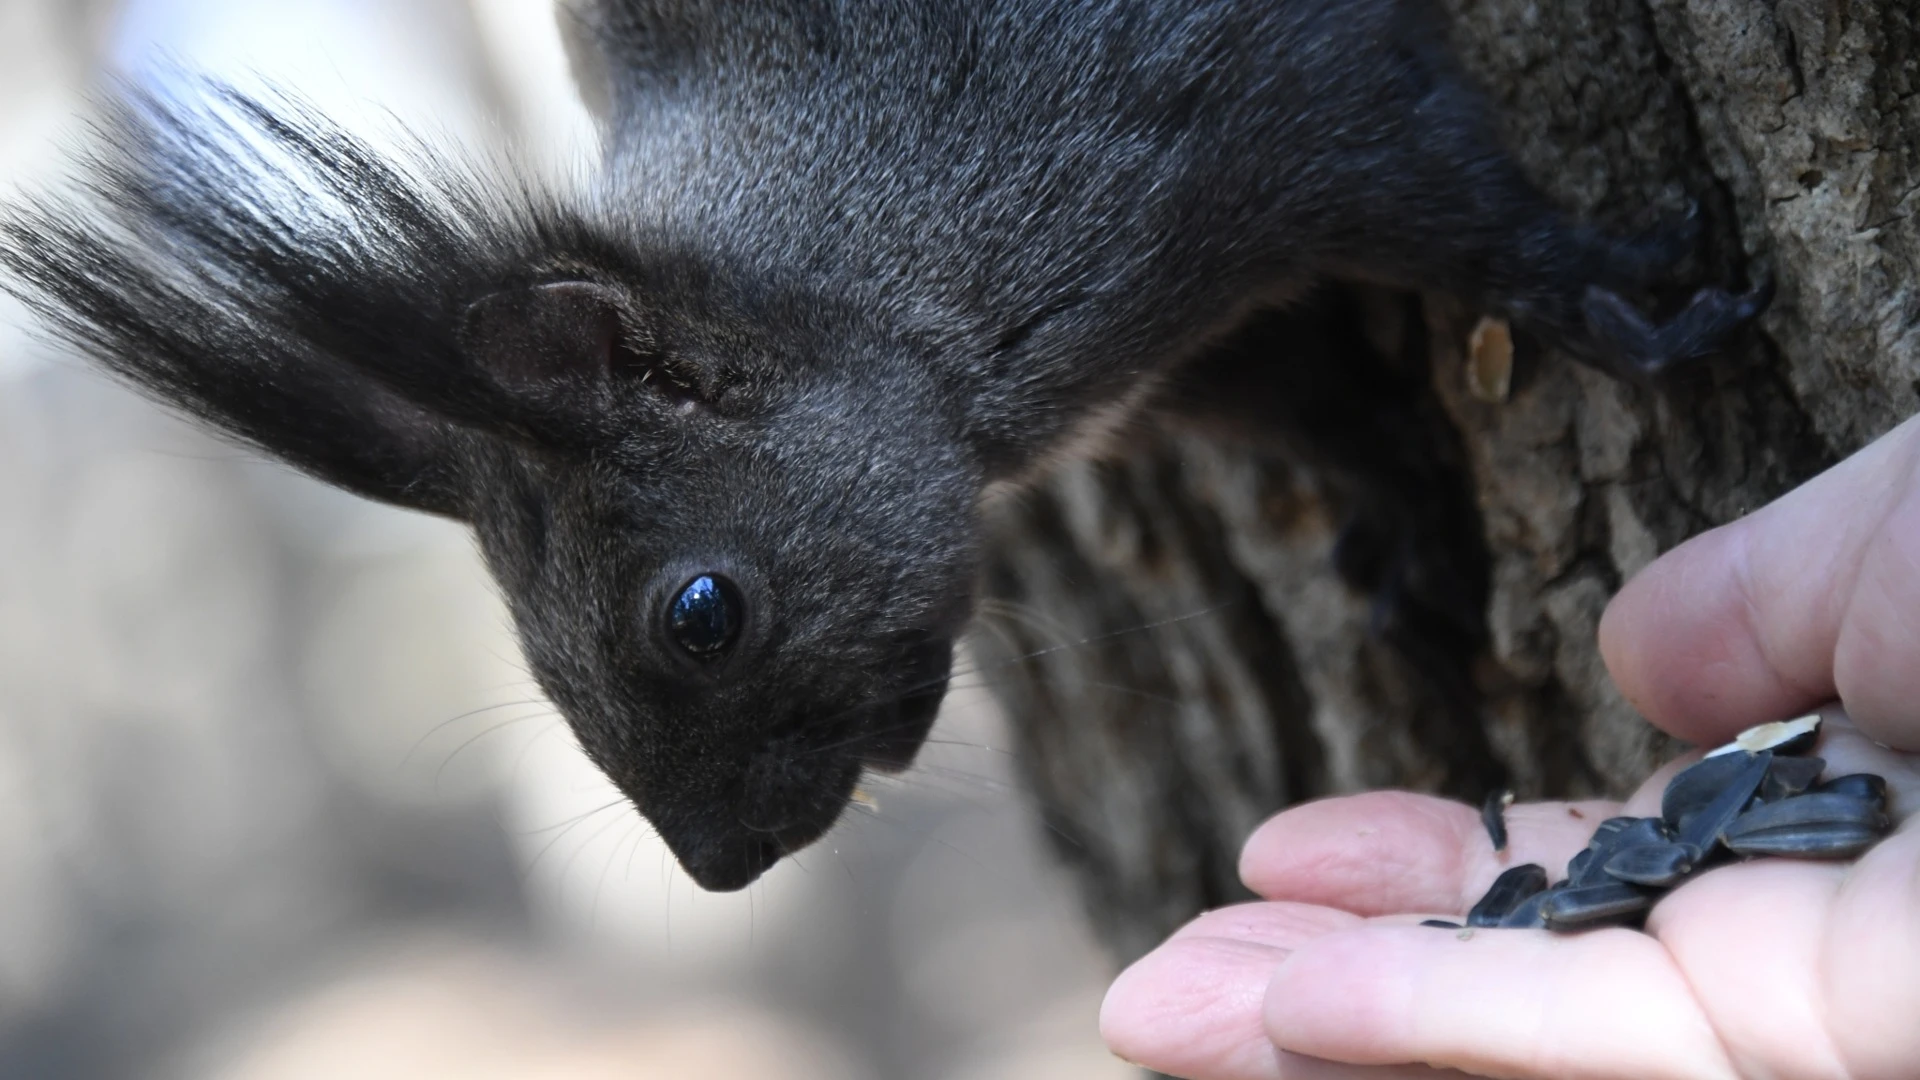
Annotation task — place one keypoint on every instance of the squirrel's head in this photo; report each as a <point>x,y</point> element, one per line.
<point>733,522</point>
<point>738,561</point>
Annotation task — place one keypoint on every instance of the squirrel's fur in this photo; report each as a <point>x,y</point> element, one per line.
<point>848,262</point>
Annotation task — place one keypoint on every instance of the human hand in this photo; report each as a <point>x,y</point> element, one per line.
<point>1771,968</point>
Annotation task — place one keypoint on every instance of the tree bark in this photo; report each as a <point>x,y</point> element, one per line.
<point>1327,565</point>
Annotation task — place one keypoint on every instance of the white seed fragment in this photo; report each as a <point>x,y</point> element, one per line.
<point>1773,736</point>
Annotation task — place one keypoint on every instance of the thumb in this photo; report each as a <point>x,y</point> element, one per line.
<point>1814,596</point>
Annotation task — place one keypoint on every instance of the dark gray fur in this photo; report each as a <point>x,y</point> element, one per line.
<point>850,262</point>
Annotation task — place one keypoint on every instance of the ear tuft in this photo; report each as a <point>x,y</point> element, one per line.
<point>278,277</point>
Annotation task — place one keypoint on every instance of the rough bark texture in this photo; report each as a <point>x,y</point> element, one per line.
<point>1325,565</point>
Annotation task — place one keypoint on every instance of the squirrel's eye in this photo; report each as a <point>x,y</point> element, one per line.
<point>705,618</point>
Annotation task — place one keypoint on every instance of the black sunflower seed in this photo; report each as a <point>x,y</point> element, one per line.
<point>1658,865</point>
<point>1826,825</point>
<point>1526,915</point>
<point>1865,786</point>
<point>1790,776</point>
<point>1814,840</point>
<point>1592,905</point>
<point>1589,867</point>
<point>1641,831</point>
<point>1493,815</point>
<point>1702,829</point>
<point>1699,784</point>
<point>1580,866</point>
<point>1812,808</point>
<point>1758,795</point>
<point>1612,825</point>
<point>1508,890</point>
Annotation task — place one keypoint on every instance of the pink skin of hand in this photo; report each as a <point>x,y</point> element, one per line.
<point>1771,969</point>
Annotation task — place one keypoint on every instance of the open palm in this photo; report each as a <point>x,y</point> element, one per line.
<point>1776,968</point>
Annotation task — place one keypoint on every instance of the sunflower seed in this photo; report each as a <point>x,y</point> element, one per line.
<point>1821,826</point>
<point>1698,784</point>
<point>1526,915</point>
<point>1572,909</point>
<point>1814,840</point>
<point>1865,786</point>
<point>1758,795</point>
<point>1703,828</point>
<point>1641,831</point>
<point>1790,776</point>
<point>1493,814</point>
<point>1589,867</point>
<point>1612,825</point>
<point>1509,889</point>
<point>1812,809</point>
<point>1440,923</point>
<point>1579,865</point>
<point>1659,865</point>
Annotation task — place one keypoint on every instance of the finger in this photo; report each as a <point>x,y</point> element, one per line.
<point>1872,987</point>
<point>1811,597</point>
<point>1192,1008</point>
<point>1302,1067</point>
<point>1606,1005</point>
<point>1874,663</point>
<point>1750,939</point>
<point>1873,982</point>
<point>1848,750</point>
<point>1275,925</point>
<point>1390,852</point>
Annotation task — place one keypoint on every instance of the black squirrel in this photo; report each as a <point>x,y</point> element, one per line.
<point>721,420</point>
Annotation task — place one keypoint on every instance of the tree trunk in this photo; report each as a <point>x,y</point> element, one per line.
<point>1333,562</point>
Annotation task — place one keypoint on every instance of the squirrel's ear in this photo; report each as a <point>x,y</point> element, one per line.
<point>538,362</point>
<point>550,345</point>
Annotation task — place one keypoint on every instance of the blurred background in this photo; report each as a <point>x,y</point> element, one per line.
<point>277,799</point>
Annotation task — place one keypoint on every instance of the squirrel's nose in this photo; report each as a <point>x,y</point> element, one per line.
<point>781,801</point>
<point>731,863</point>
<point>771,821</point>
